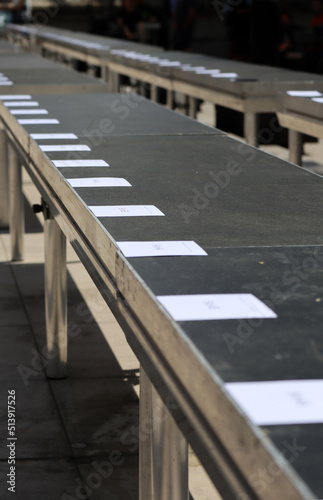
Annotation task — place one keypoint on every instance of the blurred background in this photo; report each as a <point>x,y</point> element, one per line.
<point>285,33</point>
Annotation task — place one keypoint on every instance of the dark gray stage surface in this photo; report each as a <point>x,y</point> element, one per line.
<point>260,219</point>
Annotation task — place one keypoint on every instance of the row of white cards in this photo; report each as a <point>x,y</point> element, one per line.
<point>24,101</point>
<point>315,95</point>
<point>74,41</point>
<point>265,403</point>
<point>4,81</point>
<point>200,70</point>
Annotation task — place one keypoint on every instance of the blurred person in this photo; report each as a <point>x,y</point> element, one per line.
<point>183,16</point>
<point>157,34</point>
<point>289,54</point>
<point>313,58</point>
<point>238,23</point>
<point>128,20</point>
<point>266,31</point>
<point>146,11</point>
<point>16,11</point>
<point>317,18</point>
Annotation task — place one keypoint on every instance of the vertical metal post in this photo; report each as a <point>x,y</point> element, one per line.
<point>114,82</point>
<point>4,182</point>
<point>251,128</point>
<point>192,103</point>
<point>187,105</point>
<point>60,58</point>
<point>295,142</point>
<point>16,205</point>
<point>104,73</point>
<point>169,455</point>
<point>170,99</point>
<point>153,93</point>
<point>145,436</point>
<point>55,299</point>
<point>91,70</point>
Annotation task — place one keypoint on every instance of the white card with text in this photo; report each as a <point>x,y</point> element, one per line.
<point>126,211</point>
<point>160,248</point>
<point>215,307</point>
<point>280,402</point>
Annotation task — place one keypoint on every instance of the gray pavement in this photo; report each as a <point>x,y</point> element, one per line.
<point>76,438</point>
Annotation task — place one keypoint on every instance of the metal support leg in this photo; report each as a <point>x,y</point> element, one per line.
<point>4,182</point>
<point>153,93</point>
<point>114,82</point>
<point>104,73</point>
<point>251,128</point>
<point>145,436</point>
<point>295,140</point>
<point>187,105</point>
<point>91,70</point>
<point>170,99</point>
<point>55,299</point>
<point>16,205</point>
<point>60,58</point>
<point>169,455</point>
<point>192,103</point>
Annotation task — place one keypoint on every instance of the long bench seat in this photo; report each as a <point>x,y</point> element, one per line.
<point>257,223</point>
<point>248,88</point>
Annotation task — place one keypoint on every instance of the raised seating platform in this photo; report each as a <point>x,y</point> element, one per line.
<point>301,113</point>
<point>248,88</point>
<point>208,252</point>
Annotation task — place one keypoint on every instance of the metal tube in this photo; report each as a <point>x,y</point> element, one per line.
<point>187,102</point>
<point>145,436</point>
<point>91,70</point>
<point>104,73</point>
<point>251,128</point>
<point>4,182</point>
<point>153,93</point>
<point>169,455</point>
<point>114,82</point>
<point>192,104</point>
<point>169,99</point>
<point>16,206</point>
<point>55,299</point>
<point>295,142</point>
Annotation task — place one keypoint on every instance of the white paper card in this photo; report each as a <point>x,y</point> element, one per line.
<point>126,211</point>
<point>65,147</point>
<point>215,307</point>
<point>188,67</point>
<point>280,402</point>
<point>318,99</point>
<point>159,248</point>
<point>80,163</point>
<point>12,104</point>
<point>304,93</point>
<point>4,78</point>
<point>207,71</point>
<point>13,96</point>
<point>29,112</point>
<point>169,63</point>
<point>36,121</point>
<point>224,75</point>
<point>6,83</point>
<point>53,136</point>
<point>99,182</point>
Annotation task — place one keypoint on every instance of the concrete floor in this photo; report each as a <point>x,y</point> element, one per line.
<point>82,430</point>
